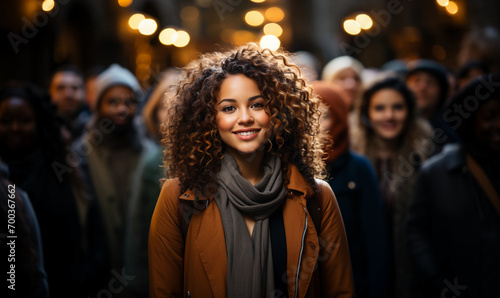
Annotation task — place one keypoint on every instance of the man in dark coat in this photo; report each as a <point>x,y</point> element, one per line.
<point>454,221</point>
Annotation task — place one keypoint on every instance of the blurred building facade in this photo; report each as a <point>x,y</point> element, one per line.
<point>40,35</point>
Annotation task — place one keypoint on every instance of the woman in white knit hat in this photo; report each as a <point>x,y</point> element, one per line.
<point>345,72</point>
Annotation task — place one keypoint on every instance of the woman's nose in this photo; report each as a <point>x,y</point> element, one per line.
<point>245,117</point>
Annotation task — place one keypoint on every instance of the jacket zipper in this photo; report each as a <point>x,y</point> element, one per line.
<point>300,257</point>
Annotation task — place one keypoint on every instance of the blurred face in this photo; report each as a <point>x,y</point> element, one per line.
<point>243,124</point>
<point>426,89</point>
<point>119,104</point>
<point>487,126</point>
<point>326,121</point>
<point>17,124</point>
<point>387,113</point>
<point>350,82</point>
<point>67,92</point>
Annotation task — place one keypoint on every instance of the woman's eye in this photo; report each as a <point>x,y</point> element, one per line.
<point>258,105</point>
<point>379,108</point>
<point>398,107</point>
<point>228,109</point>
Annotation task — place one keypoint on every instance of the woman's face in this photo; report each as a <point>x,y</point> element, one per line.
<point>350,82</point>
<point>244,125</point>
<point>387,113</point>
<point>17,124</point>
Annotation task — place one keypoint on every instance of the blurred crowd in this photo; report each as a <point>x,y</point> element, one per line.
<point>414,163</point>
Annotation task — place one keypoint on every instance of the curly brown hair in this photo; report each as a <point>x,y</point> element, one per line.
<point>194,148</point>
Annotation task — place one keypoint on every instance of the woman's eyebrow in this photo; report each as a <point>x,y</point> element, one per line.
<point>234,100</point>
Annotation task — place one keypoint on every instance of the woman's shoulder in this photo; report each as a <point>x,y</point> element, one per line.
<point>170,192</point>
<point>325,192</point>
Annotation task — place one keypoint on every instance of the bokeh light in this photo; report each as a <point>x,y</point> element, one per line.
<point>241,37</point>
<point>274,14</point>
<point>168,36</point>
<point>443,3</point>
<point>147,27</point>
<point>258,1</point>
<point>190,13</point>
<point>364,21</point>
<point>452,8</point>
<point>270,42</point>
<point>48,5</point>
<point>125,3</point>
<point>182,39</point>
<point>135,19</point>
<point>351,27</point>
<point>254,18</point>
<point>273,29</point>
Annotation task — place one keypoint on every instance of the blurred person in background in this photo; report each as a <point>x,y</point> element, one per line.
<point>308,64</point>
<point>471,70</point>
<point>67,93</point>
<point>155,112</point>
<point>33,148</point>
<point>454,220</point>
<point>30,278</point>
<point>353,180</point>
<point>481,44</point>
<point>394,138</point>
<point>428,80</point>
<point>345,72</point>
<point>90,81</point>
<point>150,171</point>
<point>110,153</point>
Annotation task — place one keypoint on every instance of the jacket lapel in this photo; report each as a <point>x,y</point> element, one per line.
<point>211,246</point>
<point>299,246</point>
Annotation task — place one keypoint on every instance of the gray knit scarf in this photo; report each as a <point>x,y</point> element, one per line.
<point>249,259</point>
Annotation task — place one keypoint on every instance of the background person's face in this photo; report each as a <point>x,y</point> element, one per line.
<point>119,104</point>
<point>487,125</point>
<point>350,82</point>
<point>17,124</point>
<point>67,92</point>
<point>426,89</point>
<point>388,113</point>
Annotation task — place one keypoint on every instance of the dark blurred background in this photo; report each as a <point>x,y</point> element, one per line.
<point>40,35</point>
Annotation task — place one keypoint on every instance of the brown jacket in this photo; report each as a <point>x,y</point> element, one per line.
<point>197,268</point>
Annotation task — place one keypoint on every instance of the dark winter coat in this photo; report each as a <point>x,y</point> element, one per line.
<point>453,230</point>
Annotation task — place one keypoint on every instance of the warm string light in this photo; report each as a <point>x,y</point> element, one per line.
<point>451,7</point>
<point>272,30</point>
<point>360,22</point>
<point>125,3</point>
<point>48,5</point>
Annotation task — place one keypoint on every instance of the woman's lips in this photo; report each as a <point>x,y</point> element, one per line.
<point>247,135</point>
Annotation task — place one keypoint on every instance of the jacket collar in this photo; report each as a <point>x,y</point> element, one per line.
<point>297,183</point>
<point>455,157</point>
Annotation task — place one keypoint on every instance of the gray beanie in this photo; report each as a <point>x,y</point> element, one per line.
<point>115,75</point>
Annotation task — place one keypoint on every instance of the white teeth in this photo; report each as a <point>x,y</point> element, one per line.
<point>246,133</point>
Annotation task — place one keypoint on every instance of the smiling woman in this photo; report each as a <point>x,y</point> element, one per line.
<point>394,137</point>
<point>243,147</point>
